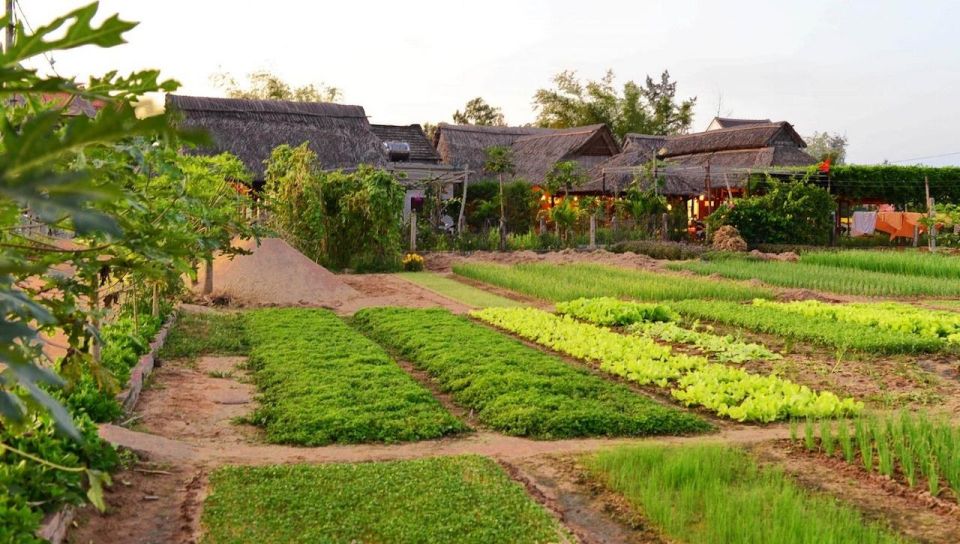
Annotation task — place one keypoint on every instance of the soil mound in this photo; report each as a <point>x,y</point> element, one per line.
<point>275,274</point>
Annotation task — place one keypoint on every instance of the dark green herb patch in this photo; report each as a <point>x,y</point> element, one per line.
<point>322,383</point>
<point>206,333</point>
<point>516,389</point>
<point>447,499</point>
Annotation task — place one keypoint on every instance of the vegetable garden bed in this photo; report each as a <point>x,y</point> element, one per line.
<point>447,499</point>
<point>322,383</point>
<point>516,389</point>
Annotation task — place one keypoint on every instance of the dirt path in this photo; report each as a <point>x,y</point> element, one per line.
<point>390,290</point>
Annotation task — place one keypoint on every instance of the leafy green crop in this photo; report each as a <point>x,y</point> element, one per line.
<point>885,316</point>
<point>611,311</point>
<point>726,349</point>
<point>730,392</point>
<point>445,499</point>
<point>760,318</point>
<point>516,389</point>
<point>912,263</point>
<point>321,382</point>
<point>572,281</point>
<point>714,494</point>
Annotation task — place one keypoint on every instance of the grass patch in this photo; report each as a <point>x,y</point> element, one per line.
<point>321,382</point>
<point>572,281</point>
<point>716,494</point>
<point>793,326</point>
<point>461,292</point>
<point>909,262</point>
<point>206,333</point>
<point>823,278</point>
<point>516,389</point>
<point>447,499</point>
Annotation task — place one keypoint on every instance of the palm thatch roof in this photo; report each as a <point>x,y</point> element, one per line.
<point>688,163</point>
<point>727,139</point>
<point>535,150</point>
<point>729,122</point>
<point>421,148</point>
<point>250,129</point>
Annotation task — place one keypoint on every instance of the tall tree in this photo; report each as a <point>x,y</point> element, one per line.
<point>265,85</point>
<point>649,109</point>
<point>824,145</point>
<point>500,161</point>
<point>478,112</point>
<point>564,176</point>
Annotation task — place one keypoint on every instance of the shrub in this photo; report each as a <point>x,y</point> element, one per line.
<point>788,213</point>
<point>671,251</point>
<point>340,219</point>
<point>412,262</point>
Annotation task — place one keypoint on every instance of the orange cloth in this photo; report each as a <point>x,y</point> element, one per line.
<point>898,223</point>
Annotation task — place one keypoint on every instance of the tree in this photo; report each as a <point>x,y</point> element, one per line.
<point>500,161</point>
<point>430,129</point>
<point>265,85</point>
<point>650,109</point>
<point>824,145</point>
<point>478,112</point>
<point>564,176</point>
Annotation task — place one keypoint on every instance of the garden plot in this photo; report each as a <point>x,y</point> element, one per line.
<point>450,499</point>
<point>321,382</point>
<point>515,389</point>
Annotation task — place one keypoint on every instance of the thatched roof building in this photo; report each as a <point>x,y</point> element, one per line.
<point>250,129</point>
<point>535,150</point>
<point>729,122</point>
<point>421,148</point>
<point>715,158</point>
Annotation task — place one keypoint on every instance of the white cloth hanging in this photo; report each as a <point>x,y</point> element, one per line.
<point>863,224</point>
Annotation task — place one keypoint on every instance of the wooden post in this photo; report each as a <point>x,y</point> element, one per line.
<point>95,318</point>
<point>916,235</point>
<point>593,231</point>
<point>665,227</point>
<point>413,230</point>
<point>932,233</point>
<point>461,219</point>
<point>208,276</point>
<point>543,224</point>
<point>155,304</point>
<point>833,228</point>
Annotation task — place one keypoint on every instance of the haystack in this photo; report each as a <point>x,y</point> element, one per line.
<point>275,274</point>
<point>727,238</point>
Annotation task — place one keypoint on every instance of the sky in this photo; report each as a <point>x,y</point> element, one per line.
<point>885,74</point>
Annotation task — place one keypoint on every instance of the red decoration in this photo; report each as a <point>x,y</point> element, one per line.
<point>825,166</point>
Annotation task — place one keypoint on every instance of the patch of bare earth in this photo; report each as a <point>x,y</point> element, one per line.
<point>907,511</point>
<point>390,290</point>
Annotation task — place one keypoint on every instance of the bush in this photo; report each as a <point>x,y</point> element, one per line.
<point>521,203</point>
<point>412,262</point>
<point>789,213</point>
<point>339,219</point>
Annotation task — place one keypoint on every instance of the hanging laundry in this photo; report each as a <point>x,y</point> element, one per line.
<point>898,224</point>
<point>864,223</point>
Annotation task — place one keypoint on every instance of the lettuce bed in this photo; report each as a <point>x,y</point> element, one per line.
<point>516,389</point>
<point>321,382</point>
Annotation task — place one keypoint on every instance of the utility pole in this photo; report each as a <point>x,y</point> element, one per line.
<point>11,26</point>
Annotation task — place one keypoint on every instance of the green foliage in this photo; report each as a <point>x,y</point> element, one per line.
<point>520,205</point>
<point>715,494</point>
<point>32,488</point>
<point>468,500</point>
<point>726,349</point>
<point>265,85</point>
<point>321,383</point>
<point>671,251</point>
<point>910,448</point>
<point>515,389</point>
<point>764,319</point>
<point>730,392</point>
<point>823,146</point>
<point>340,219</point>
<point>609,311</point>
<point>823,278</point>
<point>650,109</point>
<point>478,112</point>
<point>568,282</point>
<point>787,213</point>
<point>902,186</point>
<point>911,263</point>
<point>564,176</point>
<point>206,333</point>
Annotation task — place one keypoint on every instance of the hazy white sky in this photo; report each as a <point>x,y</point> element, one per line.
<point>885,73</point>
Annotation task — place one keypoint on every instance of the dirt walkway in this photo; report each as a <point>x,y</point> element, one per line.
<point>390,290</point>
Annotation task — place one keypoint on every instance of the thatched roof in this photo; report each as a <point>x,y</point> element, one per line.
<point>535,155</point>
<point>250,129</point>
<point>421,149</point>
<point>535,150</point>
<point>727,139</point>
<point>464,146</point>
<point>723,155</point>
<point>729,122</point>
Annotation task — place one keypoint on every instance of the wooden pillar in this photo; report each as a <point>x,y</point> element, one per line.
<point>413,230</point>
<point>593,231</point>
